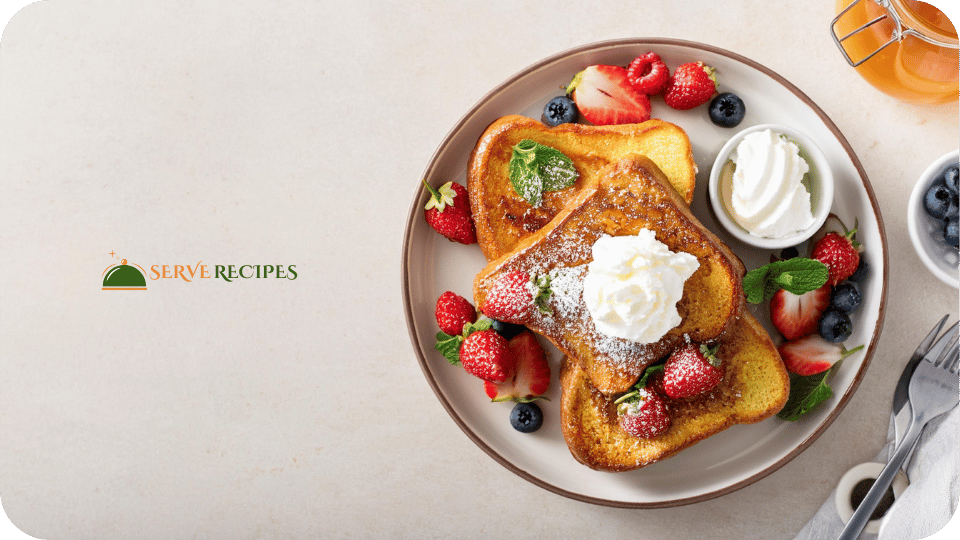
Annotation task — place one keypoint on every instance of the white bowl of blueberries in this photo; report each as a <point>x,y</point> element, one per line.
<point>932,218</point>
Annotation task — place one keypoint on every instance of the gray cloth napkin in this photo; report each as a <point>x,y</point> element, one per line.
<point>926,505</point>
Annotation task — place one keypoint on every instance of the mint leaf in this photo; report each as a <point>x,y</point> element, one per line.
<point>449,347</point>
<point>798,276</point>
<point>535,168</point>
<point>805,394</point>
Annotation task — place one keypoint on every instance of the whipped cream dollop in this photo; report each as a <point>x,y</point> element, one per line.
<point>633,285</point>
<point>767,197</point>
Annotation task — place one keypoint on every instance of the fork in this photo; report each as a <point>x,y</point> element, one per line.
<point>932,392</point>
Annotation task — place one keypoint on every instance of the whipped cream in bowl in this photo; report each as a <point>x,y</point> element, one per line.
<point>633,284</point>
<point>771,187</point>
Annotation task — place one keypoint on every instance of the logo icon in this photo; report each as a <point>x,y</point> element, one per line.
<point>123,277</point>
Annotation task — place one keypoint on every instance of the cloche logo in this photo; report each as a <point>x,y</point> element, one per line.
<point>123,277</point>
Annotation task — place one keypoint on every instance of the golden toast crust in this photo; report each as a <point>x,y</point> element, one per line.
<point>503,218</point>
<point>755,386</point>
<point>627,196</point>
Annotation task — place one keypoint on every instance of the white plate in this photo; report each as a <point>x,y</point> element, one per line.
<point>722,463</point>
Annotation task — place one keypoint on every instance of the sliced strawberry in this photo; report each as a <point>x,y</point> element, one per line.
<point>531,376</point>
<point>798,315</point>
<point>510,298</point>
<point>690,371</point>
<point>604,96</point>
<point>486,354</point>
<point>811,355</point>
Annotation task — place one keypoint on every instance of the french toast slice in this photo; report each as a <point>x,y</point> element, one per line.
<point>624,198</point>
<point>755,386</point>
<point>503,218</point>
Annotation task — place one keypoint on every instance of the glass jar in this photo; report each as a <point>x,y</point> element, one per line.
<point>906,48</point>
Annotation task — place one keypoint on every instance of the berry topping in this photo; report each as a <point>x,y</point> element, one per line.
<point>510,298</point>
<point>453,311</point>
<point>840,253</point>
<point>448,213</point>
<point>644,414</point>
<point>530,377</point>
<point>812,355</point>
<point>691,85</point>
<point>559,110</point>
<point>486,354</point>
<point>798,315</point>
<point>835,326</point>
<point>937,200</point>
<point>846,297</point>
<point>605,96</point>
<point>950,232</point>
<point>863,268</point>
<point>950,175</point>
<point>727,110</point>
<point>526,417</point>
<point>648,74</point>
<point>691,371</point>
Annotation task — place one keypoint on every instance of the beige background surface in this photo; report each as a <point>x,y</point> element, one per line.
<point>295,133</point>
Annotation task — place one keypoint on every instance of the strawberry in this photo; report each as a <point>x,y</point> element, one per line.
<point>604,96</point>
<point>486,354</point>
<point>645,415</point>
<point>531,375</point>
<point>448,213</point>
<point>510,298</point>
<point>812,354</point>
<point>840,252</point>
<point>452,312</point>
<point>691,85</point>
<point>798,315</point>
<point>691,371</point>
<point>648,74</point>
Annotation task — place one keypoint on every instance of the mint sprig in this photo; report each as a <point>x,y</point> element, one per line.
<point>535,168</point>
<point>798,276</point>
<point>807,392</point>
<point>449,346</point>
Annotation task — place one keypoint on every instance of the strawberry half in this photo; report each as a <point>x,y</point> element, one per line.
<point>691,370</point>
<point>691,85</point>
<point>604,96</point>
<point>531,376</point>
<point>798,315</point>
<point>812,354</point>
<point>448,213</point>
<point>840,252</point>
<point>486,354</point>
<point>452,312</point>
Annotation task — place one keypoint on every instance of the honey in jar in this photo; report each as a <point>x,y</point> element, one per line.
<point>906,48</point>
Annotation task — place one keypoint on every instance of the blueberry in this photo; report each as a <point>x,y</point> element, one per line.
<point>835,325</point>
<point>863,268</point>
<point>559,110</point>
<point>789,253</point>
<point>526,417</point>
<point>846,296</point>
<point>506,330</point>
<point>950,177</point>
<point>937,200</point>
<point>953,208</point>
<point>727,110</point>
<point>950,232</point>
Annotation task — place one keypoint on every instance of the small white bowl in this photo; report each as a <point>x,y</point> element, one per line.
<point>819,181</point>
<point>924,229</point>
